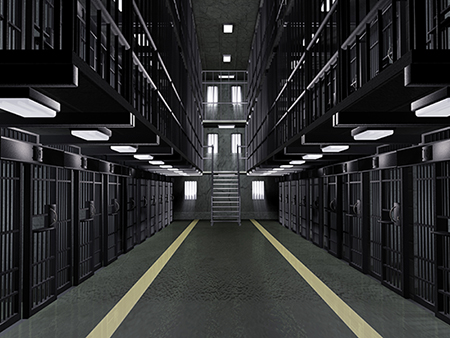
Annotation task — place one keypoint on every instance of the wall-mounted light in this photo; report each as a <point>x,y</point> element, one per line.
<point>297,162</point>
<point>366,134</point>
<point>312,156</point>
<point>124,149</point>
<point>334,148</point>
<point>228,28</point>
<point>143,157</point>
<point>98,134</point>
<point>28,103</point>
<point>226,126</point>
<point>226,58</point>
<point>156,162</point>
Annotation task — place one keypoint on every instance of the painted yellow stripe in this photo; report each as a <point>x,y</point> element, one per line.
<point>355,323</point>
<point>115,317</point>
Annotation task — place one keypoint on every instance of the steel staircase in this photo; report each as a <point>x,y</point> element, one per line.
<point>225,198</point>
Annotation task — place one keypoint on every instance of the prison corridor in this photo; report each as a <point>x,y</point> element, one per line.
<point>256,280</point>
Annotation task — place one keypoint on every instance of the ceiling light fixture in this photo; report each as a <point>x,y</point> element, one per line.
<point>156,162</point>
<point>437,109</point>
<point>312,156</point>
<point>28,103</point>
<point>335,148</point>
<point>99,134</point>
<point>143,157</point>
<point>364,134</point>
<point>165,166</point>
<point>226,76</point>
<point>278,169</point>
<point>228,28</point>
<point>286,166</point>
<point>226,58</point>
<point>124,149</point>
<point>297,162</point>
<point>226,126</point>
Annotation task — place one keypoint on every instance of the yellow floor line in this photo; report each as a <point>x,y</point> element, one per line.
<point>115,317</point>
<point>355,323</point>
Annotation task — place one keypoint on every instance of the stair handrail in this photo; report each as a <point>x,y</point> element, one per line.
<point>212,179</point>
<point>239,158</point>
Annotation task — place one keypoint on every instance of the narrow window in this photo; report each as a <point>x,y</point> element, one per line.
<point>212,94</point>
<point>258,190</point>
<point>235,142</point>
<point>213,141</point>
<point>190,190</point>
<point>236,94</point>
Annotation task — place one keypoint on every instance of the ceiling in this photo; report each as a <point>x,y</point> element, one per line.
<point>210,15</point>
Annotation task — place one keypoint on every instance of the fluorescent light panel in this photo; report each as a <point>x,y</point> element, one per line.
<point>26,108</point>
<point>156,162</point>
<point>297,162</point>
<point>312,156</point>
<point>90,135</point>
<point>335,148</point>
<point>226,76</point>
<point>226,126</point>
<point>226,58</point>
<point>437,109</point>
<point>143,157</point>
<point>124,149</point>
<point>228,28</point>
<point>165,166</point>
<point>287,165</point>
<point>371,135</point>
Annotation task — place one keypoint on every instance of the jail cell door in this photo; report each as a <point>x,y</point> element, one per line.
<point>113,239</point>
<point>281,202</point>
<point>171,198</point>
<point>286,208</point>
<point>84,229</point>
<point>39,238</point>
<point>355,234</point>
<point>166,203</point>
<point>294,206</point>
<point>144,209</point>
<point>442,249</point>
<point>132,234</point>
<point>392,230</point>
<point>98,221</point>
<point>423,274</point>
<point>64,227</point>
<point>10,299</point>
<point>303,207</point>
<point>376,226</point>
<point>160,204</point>
<point>315,211</point>
<point>332,224</point>
<point>153,206</point>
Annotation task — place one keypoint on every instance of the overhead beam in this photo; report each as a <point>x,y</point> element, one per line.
<point>385,119</point>
<point>71,120</point>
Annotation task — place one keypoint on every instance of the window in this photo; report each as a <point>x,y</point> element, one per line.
<point>258,190</point>
<point>213,140</point>
<point>190,190</point>
<point>235,142</point>
<point>212,94</point>
<point>236,94</point>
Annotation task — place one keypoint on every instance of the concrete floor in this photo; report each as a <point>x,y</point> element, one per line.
<point>229,281</point>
